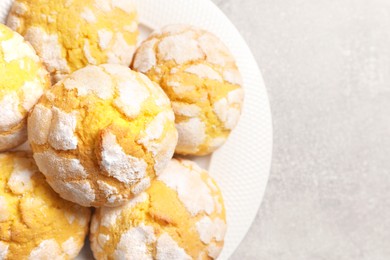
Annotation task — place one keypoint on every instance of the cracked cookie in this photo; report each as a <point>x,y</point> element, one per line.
<point>23,80</point>
<point>102,135</point>
<point>69,35</point>
<point>35,223</point>
<point>181,216</point>
<point>200,76</point>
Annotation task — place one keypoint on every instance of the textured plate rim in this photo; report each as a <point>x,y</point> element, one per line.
<point>256,114</point>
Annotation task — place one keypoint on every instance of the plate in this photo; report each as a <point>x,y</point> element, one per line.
<point>241,167</point>
<point>4,8</point>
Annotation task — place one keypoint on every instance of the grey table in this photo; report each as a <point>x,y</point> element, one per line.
<point>326,65</point>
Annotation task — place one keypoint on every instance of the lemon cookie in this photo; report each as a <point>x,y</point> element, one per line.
<point>181,216</point>
<point>35,223</point>
<point>201,78</point>
<point>70,34</point>
<point>101,135</point>
<point>22,81</point>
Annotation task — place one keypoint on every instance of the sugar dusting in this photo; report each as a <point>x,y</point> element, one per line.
<point>118,164</point>
<point>192,191</point>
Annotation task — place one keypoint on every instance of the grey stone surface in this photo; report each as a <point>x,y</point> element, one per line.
<point>326,65</point>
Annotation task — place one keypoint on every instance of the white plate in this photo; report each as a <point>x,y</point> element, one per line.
<point>4,7</point>
<point>241,166</point>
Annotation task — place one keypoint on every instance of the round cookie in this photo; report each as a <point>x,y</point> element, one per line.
<point>181,216</point>
<point>201,78</point>
<point>23,80</point>
<point>35,223</point>
<point>70,34</point>
<point>101,135</point>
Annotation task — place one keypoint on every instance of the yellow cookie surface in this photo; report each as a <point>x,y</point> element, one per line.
<point>35,223</point>
<point>70,34</point>
<point>201,78</point>
<point>101,135</point>
<point>181,216</point>
<point>23,79</point>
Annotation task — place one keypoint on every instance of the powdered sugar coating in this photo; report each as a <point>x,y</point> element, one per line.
<point>183,109</point>
<point>105,38</point>
<point>139,238</point>
<point>228,109</point>
<point>40,122</point>
<point>167,248</point>
<point>192,134</point>
<point>179,48</point>
<point>23,50</point>
<point>191,189</point>
<point>130,106</point>
<point>146,58</point>
<point>106,127</point>
<point>124,5</point>
<point>180,89</point>
<point>20,179</point>
<point>155,128</point>
<point>110,215</point>
<point>22,82</point>
<point>216,52</point>
<point>211,229</point>
<point>141,186</point>
<point>32,91</point>
<point>160,225</point>
<point>65,167</point>
<point>214,250</point>
<point>13,139</point>
<point>87,53</point>
<point>64,32</point>
<point>61,135</point>
<point>59,170</point>
<point>3,250</point>
<point>233,76</point>
<point>109,191</point>
<point>160,145</point>
<point>47,249</point>
<point>48,48</point>
<point>103,239</point>
<point>91,79</point>
<point>31,211</point>
<point>88,15</point>
<point>70,247</point>
<point>10,115</point>
<point>133,27</point>
<point>103,5</point>
<point>118,164</point>
<point>122,52</point>
<point>204,71</point>
<point>196,70</point>
<point>80,191</point>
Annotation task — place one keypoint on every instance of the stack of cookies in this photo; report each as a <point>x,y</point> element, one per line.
<point>103,120</point>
